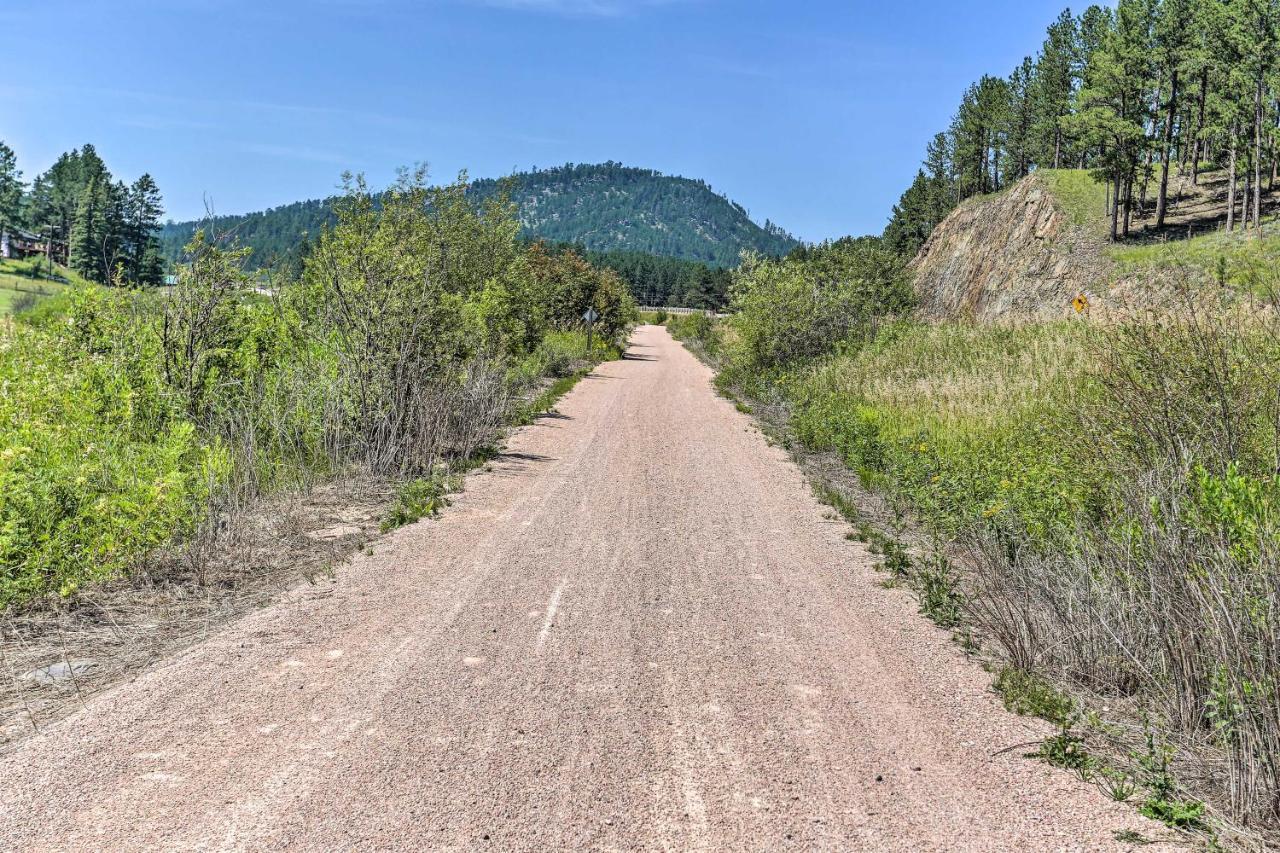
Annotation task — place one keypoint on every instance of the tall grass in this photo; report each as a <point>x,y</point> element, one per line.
<point>1113,490</point>
<point>1083,197</point>
<point>1116,492</point>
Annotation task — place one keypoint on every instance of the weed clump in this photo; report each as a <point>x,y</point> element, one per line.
<point>1027,694</point>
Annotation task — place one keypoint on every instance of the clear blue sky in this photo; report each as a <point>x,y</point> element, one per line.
<point>813,113</point>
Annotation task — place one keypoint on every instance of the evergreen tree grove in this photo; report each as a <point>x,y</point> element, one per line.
<point>1135,94</point>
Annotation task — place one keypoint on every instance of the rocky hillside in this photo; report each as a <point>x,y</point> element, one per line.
<point>1016,254</point>
<point>606,208</point>
<point>1029,251</point>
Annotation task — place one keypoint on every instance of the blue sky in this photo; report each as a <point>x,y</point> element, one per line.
<point>812,113</point>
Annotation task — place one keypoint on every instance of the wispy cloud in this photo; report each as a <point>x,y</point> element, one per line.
<point>577,8</point>
<point>739,69</point>
<point>162,123</point>
<point>295,152</point>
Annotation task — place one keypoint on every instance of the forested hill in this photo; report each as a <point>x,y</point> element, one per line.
<point>607,207</point>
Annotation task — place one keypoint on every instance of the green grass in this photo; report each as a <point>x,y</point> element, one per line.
<point>1080,195</point>
<point>959,419</point>
<point>1027,694</point>
<point>17,277</point>
<point>1235,259</point>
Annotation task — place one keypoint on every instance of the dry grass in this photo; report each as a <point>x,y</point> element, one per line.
<point>940,378</point>
<point>178,598</point>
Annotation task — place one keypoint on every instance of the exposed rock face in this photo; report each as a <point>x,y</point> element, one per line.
<point>1015,255</point>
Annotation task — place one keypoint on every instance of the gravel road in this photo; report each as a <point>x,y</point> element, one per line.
<point>639,630</point>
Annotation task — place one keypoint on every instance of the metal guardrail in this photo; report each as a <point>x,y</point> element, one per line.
<point>681,311</point>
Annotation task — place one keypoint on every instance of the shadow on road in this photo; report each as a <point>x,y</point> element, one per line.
<point>524,457</point>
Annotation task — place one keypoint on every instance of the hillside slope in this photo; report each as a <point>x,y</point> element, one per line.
<point>1019,253</point>
<point>607,207</point>
<point>1030,250</point>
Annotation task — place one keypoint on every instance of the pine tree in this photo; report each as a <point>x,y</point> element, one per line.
<point>144,264</point>
<point>1112,111</point>
<point>1021,119</point>
<point>1172,35</point>
<point>1053,87</point>
<point>911,223</point>
<point>10,189</point>
<point>89,230</point>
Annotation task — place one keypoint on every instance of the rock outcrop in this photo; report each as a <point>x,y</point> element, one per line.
<point>1013,255</point>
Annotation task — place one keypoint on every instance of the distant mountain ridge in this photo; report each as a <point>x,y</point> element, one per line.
<point>606,208</point>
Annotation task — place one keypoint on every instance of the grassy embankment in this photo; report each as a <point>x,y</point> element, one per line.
<point>24,283</point>
<point>1104,499</point>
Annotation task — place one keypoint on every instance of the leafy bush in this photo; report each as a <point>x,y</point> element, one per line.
<point>812,304</point>
<point>418,330</point>
<point>702,332</point>
<point>97,465</point>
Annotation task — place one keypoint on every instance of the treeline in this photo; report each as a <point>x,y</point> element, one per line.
<point>611,207</point>
<point>280,237</point>
<point>662,281</point>
<point>607,208</point>
<point>1129,93</point>
<point>104,229</point>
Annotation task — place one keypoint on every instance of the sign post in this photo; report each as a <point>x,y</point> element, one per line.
<point>590,316</point>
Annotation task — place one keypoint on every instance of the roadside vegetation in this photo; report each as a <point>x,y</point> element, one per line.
<point>23,284</point>
<point>1102,501</point>
<point>418,329</point>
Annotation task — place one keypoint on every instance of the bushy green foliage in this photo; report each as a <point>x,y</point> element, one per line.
<point>97,462</point>
<point>814,303</point>
<point>419,327</point>
<point>567,285</point>
<point>702,334</point>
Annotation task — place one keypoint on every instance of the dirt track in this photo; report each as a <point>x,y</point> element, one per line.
<point>639,630</point>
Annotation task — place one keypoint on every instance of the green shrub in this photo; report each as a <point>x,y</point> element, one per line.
<point>814,303</point>
<point>418,327</point>
<point>700,332</point>
<point>1028,694</point>
<point>97,466</point>
<point>419,498</point>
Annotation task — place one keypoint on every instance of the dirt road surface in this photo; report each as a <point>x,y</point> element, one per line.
<point>639,630</point>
